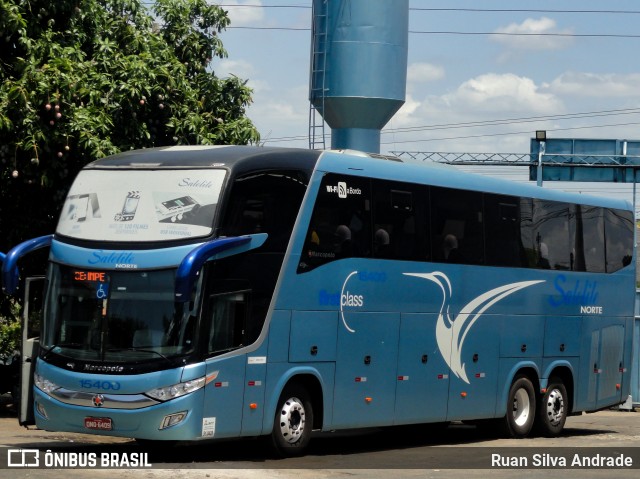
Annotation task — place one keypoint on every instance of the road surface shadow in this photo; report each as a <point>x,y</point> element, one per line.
<point>343,449</point>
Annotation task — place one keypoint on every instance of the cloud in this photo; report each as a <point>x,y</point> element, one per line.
<point>424,72</point>
<point>444,122</point>
<point>244,12</point>
<point>507,92</point>
<point>603,85</point>
<point>239,68</point>
<point>533,34</point>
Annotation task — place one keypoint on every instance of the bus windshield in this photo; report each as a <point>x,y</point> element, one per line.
<point>115,316</point>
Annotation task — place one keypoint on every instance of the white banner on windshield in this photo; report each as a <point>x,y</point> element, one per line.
<point>135,205</point>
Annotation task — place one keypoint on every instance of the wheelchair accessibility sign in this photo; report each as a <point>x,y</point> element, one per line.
<point>102,290</point>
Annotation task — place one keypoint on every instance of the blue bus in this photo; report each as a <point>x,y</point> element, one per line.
<point>198,293</point>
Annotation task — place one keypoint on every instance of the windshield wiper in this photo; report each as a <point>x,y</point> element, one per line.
<point>141,350</point>
<point>61,345</point>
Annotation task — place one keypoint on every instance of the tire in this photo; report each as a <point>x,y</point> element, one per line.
<point>293,422</point>
<point>552,410</point>
<point>521,408</point>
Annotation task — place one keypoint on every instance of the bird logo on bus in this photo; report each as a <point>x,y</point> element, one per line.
<point>451,333</point>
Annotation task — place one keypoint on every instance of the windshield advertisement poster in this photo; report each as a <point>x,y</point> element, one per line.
<point>141,205</point>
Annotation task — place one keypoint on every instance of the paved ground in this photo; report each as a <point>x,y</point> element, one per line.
<point>371,454</point>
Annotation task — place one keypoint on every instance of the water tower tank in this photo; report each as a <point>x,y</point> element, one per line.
<point>358,67</point>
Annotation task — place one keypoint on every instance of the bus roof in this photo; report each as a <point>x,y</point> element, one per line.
<point>237,158</point>
<point>450,177</point>
<point>251,158</point>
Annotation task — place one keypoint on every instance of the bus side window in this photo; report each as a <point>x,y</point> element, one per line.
<point>265,202</point>
<point>550,235</point>
<point>227,321</point>
<point>340,224</point>
<point>457,226</point>
<point>618,227</point>
<point>399,212</point>
<point>586,224</point>
<point>503,226</point>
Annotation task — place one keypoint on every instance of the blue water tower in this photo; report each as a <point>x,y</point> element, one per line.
<point>358,67</point>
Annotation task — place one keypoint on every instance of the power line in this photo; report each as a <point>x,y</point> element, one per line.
<point>471,10</point>
<point>507,134</point>
<point>512,34</point>
<point>566,116</point>
<point>467,137</point>
<point>453,32</point>
<point>525,10</point>
<point>497,122</point>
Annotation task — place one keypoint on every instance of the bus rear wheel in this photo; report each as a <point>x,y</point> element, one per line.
<point>293,422</point>
<point>552,412</point>
<point>521,408</point>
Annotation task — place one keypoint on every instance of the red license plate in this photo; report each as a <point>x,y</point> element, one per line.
<point>98,423</point>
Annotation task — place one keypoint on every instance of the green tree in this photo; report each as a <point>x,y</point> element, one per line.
<point>82,79</point>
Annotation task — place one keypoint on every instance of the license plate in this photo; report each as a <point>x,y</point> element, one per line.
<point>98,423</point>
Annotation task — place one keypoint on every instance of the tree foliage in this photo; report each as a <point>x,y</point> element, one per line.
<point>82,79</point>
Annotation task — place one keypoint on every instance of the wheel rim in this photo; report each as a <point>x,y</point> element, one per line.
<point>555,407</point>
<point>521,407</point>
<point>292,420</point>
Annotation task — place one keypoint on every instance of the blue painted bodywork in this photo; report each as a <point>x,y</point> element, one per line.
<point>380,360</point>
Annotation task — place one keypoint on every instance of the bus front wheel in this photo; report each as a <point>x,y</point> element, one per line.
<point>552,412</point>
<point>293,422</point>
<point>521,408</point>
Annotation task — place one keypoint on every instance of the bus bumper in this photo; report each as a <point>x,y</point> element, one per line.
<point>146,423</point>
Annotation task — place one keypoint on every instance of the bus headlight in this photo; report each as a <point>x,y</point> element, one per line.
<point>177,390</point>
<point>44,384</point>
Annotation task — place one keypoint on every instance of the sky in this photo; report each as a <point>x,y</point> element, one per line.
<point>468,62</point>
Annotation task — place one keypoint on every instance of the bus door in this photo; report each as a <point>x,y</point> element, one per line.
<point>31,322</point>
<point>224,322</point>
<point>366,368</point>
<point>475,397</point>
<point>602,375</point>
<point>423,375</point>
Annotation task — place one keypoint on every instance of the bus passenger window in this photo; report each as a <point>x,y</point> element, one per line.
<point>549,241</point>
<point>457,220</point>
<point>503,226</point>
<point>399,221</point>
<point>587,245</point>
<point>265,202</point>
<point>618,227</point>
<point>340,224</point>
